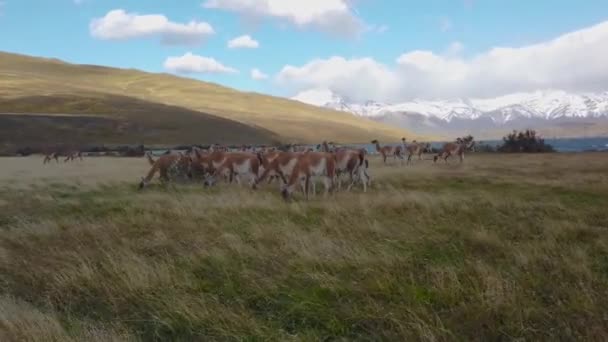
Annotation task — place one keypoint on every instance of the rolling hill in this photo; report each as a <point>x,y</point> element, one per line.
<point>166,109</point>
<point>112,119</point>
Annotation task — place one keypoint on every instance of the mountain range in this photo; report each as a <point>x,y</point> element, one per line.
<point>552,112</point>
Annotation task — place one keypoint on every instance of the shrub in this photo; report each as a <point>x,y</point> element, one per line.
<point>524,141</point>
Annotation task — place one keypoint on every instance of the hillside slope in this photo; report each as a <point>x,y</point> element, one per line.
<point>112,119</point>
<point>23,76</point>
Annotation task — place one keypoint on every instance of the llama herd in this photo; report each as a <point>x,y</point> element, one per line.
<point>69,156</point>
<point>294,170</point>
<point>297,169</point>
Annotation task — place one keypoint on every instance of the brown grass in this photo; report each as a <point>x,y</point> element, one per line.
<point>502,247</point>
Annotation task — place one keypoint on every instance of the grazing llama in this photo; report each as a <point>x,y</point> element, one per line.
<point>170,166</point>
<point>454,149</point>
<point>351,162</point>
<point>49,156</point>
<point>280,167</point>
<point>387,151</point>
<point>416,149</point>
<point>231,165</point>
<point>307,166</point>
<point>70,156</point>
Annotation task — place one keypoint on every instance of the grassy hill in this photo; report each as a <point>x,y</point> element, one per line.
<point>111,119</point>
<point>60,87</point>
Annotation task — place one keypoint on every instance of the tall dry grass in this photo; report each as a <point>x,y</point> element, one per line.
<point>502,247</point>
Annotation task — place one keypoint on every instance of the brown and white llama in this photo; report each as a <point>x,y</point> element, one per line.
<point>387,151</point>
<point>231,164</point>
<point>266,160</point>
<point>354,164</point>
<point>49,156</point>
<point>280,167</point>
<point>299,148</point>
<point>72,155</point>
<point>351,162</point>
<point>416,149</point>
<point>307,166</point>
<point>171,166</point>
<point>454,149</point>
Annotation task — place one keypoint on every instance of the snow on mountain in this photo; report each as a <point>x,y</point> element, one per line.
<point>326,98</point>
<point>548,105</point>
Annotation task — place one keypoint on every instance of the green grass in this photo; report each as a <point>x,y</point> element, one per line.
<point>48,86</point>
<point>501,248</point>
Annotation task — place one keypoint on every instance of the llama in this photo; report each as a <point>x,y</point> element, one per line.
<point>308,165</point>
<point>386,151</point>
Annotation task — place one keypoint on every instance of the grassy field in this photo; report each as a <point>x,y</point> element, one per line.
<point>504,247</point>
<point>30,84</point>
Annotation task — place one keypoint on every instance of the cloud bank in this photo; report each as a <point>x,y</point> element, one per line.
<point>330,16</point>
<point>243,42</point>
<point>121,25</point>
<point>571,62</point>
<point>257,75</point>
<point>190,63</point>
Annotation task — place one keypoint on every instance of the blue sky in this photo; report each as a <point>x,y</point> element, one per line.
<point>456,31</point>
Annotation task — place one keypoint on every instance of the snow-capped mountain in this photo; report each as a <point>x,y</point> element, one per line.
<point>540,104</point>
<point>326,98</point>
<point>540,109</point>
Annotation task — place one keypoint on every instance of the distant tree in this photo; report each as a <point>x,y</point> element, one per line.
<point>26,151</point>
<point>467,141</point>
<point>524,141</point>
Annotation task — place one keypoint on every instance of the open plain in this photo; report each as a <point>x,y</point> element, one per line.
<point>502,247</point>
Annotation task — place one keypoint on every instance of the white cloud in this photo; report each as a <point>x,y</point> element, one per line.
<point>358,79</point>
<point>120,25</point>
<point>256,74</point>
<point>243,42</point>
<point>331,16</point>
<point>571,62</point>
<point>454,49</point>
<point>317,97</point>
<point>381,28</point>
<point>190,63</point>
<point>445,24</point>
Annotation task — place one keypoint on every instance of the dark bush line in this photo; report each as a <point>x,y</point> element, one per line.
<point>515,142</point>
<point>524,141</point>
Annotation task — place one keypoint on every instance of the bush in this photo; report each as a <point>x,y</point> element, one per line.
<point>525,141</point>
<point>26,151</point>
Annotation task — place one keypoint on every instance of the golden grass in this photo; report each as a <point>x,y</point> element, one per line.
<point>502,247</point>
<point>23,76</point>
